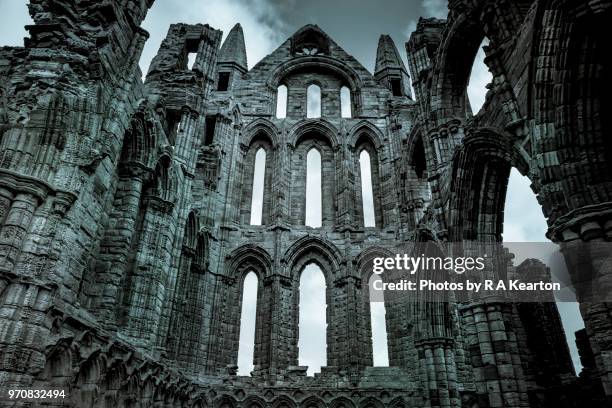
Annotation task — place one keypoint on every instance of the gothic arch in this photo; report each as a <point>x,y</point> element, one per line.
<point>366,129</point>
<point>310,36</point>
<point>141,139</point>
<point>260,137</point>
<point>306,127</point>
<point>248,258</point>
<point>480,172</point>
<point>312,249</point>
<point>258,127</point>
<point>397,402</point>
<point>254,401</point>
<point>341,402</point>
<point>371,402</point>
<point>200,259</point>
<point>304,136</point>
<point>192,226</point>
<point>455,57</point>
<point>60,363</point>
<point>283,401</point>
<point>393,320</point>
<point>365,257</point>
<point>314,62</point>
<point>312,402</point>
<point>581,100</point>
<point>163,183</point>
<point>416,153</point>
<point>367,141</point>
<point>226,401</point>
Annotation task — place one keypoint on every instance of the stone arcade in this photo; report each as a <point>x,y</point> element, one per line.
<point>125,229</point>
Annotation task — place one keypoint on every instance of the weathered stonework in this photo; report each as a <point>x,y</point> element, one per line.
<point>125,231</point>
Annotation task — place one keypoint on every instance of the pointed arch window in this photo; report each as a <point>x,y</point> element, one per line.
<point>378,322</point>
<point>312,342</point>
<point>257,199</point>
<point>313,101</point>
<point>313,216</point>
<point>281,102</point>
<point>246,345</point>
<point>480,77</point>
<point>367,192</point>
<point>345,102</point>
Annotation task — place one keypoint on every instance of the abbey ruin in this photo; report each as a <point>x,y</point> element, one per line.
<point>125,207</point>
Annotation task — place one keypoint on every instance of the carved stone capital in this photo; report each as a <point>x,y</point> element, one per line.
<point>20,183</point>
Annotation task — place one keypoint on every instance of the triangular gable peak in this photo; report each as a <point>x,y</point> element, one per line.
<point>310,45</point>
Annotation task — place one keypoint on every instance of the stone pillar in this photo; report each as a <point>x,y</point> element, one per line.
<point>175,340</point>
<point>186,147</point>
<point>225,325</point>
<point>15,228</point>
<point>345,187</point>
<point>588,258</point>
<point>112,262</point>
<point>493,348</point>
<point>148,280</point>
<point>27,293</point>
<point>6,198</point>
<point>276,331</point>
<point>22,331</point>
<point>438,373</point>
<point>342,343</point>
<point>280,187</point>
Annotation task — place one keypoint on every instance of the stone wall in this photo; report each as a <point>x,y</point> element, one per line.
<point>125,207</point>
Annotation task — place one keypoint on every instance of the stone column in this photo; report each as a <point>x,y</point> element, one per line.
<point>6,198</point>
<point>587,254</point>
<point>112,262</point>
<point>281,184</point>
<point>274,346</point>
<point>345,187</point>
<point>26,297</point>
<point>175,337</point>
<point>186,147</point>
<point>342,342</point>
<point>15,228</point>
<point>493,348</point>
<point>148,280</point>
<point>438,373</point>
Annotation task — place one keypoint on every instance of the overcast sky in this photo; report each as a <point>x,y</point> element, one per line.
<point>355,26</point>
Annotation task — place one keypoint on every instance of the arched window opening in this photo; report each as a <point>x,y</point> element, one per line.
<point>209,130</point>
<point>191,59</point>
<point>313,216</point>
<point>524,222</point>
<point>257,198</point>
<point>367,193</point>
<point>312,343</point>
<point>281,102</point>
<point>418,158</point>
<point>345,102</point>
<point>396,87</point>
<point>479,79</point>
<point>378,324</point>
<point>246,345</point>
<point>223,81</point>
<point>173,121</point>
<point>310,41</point>
<point>313,101</point>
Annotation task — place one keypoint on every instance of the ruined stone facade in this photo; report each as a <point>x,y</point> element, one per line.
<point>125,224</point>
